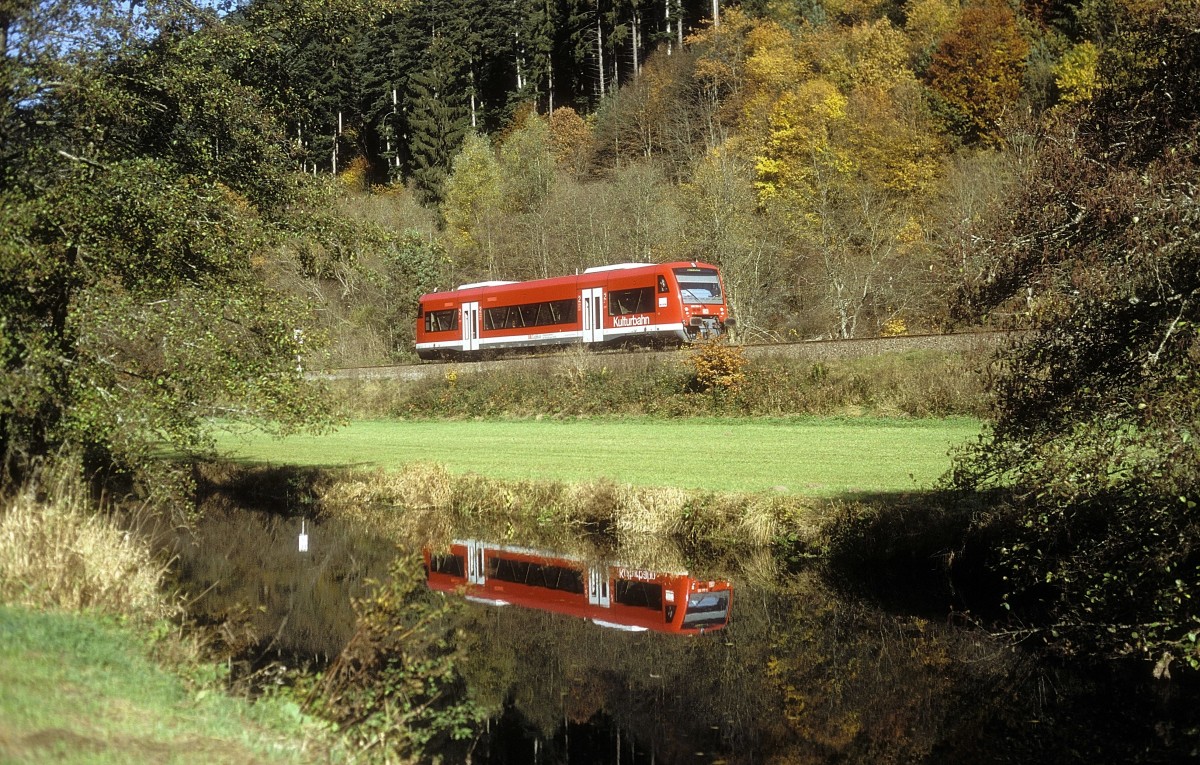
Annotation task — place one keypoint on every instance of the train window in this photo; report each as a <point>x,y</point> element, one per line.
<point>662,284</point>
<point>623,302</point>
<point>441,321</point>
<point>699,285</point>
<point>530,315</point>
<point>447,564</point>
<point>563,311</point>
<point>630,592</point>
<point>532,574</point>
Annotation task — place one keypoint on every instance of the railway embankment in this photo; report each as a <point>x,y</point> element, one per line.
<point>810,350</point>
<point>915,376</point>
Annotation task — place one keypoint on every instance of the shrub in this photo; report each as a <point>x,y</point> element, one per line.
<point>718,366</point>
<point>703,380</point>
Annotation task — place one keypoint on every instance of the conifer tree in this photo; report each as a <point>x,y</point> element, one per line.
<point>437,119</point>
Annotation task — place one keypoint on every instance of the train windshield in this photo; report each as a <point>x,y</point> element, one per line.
<point>699,285</point>
<point>707,609</point>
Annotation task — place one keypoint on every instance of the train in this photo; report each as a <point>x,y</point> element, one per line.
<point>609,595</point>
<point>615,305</point>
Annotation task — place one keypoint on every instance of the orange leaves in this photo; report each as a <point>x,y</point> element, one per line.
<point>570,139</point>
<point>978,67</point>
<point>718,366</point>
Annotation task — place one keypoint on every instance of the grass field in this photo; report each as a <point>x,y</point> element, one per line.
<point>77,690</point>
<point>819,457</point>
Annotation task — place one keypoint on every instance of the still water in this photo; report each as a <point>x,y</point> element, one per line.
<point>587,653</point>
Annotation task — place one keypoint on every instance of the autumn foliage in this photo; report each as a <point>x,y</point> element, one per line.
<point>977,70</point>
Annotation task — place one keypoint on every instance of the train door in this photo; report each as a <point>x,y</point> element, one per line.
<point>593,314</point>
<point>598,594</point>
<point>470,326</point>
<point>476,570</point>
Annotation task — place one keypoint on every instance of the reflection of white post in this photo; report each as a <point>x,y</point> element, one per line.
<point>598,594</point>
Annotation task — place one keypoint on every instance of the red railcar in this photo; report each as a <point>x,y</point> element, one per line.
<point>609,595</point>
<point>607,305</point>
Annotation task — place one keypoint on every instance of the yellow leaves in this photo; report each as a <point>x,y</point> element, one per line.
<point>927,21</point>
<point>773,64</point>
<point>354,177</point>
<point>893,138</point>
<point>472,188</point>
<point>873,53</point>
<point>1075,74</point>
<point>850,11</point>
<point>911,232</point>
<point>768,173</point>
<point>799,147</point>
<point>894,327</point>
<point>722,50</point>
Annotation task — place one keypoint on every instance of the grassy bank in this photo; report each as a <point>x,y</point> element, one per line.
<point>76,688</point>
<point>95,666</point>
<point>816,457</point>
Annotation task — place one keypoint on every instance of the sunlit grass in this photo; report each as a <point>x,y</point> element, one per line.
<point>813,456</point>
<point>80,690</point>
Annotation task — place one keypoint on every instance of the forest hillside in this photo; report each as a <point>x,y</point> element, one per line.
<point>837,159</point>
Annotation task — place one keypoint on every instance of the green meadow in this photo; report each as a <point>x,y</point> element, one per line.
<point>76,688</point>
<point>812,456</point>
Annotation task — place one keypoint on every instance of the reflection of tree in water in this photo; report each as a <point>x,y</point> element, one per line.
<point>798,676</point>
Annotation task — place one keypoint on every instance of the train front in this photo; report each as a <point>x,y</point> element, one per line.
<point>702,299</point>
<point>706,605</point>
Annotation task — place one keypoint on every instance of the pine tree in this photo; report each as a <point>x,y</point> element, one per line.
<point>437,120</point>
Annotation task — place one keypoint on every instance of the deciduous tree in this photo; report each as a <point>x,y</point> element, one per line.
<point>141,189</point>
<point>977,70</point>
<point>1093,449</point>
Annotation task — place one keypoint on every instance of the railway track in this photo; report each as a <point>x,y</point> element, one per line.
<point>810,349</point>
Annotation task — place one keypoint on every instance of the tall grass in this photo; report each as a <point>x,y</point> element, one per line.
<point>57,551</point>
<point>431,503</point>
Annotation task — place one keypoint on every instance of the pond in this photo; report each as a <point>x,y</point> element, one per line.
<point>580,652</point>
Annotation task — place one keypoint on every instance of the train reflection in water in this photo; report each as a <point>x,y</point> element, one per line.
<point>610,595</point>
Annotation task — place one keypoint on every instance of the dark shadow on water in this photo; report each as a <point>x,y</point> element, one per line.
<point>919,554</point>
<point>900,550</point>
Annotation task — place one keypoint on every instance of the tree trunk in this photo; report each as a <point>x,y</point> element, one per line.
<point>679,21</point>
<point>637,67</point>
<point>667,21</point>
<point>474,103</point>
<point>600,53</point>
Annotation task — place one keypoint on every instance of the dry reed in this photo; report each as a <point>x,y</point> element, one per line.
<point>57,551</point>
<point>430,500</point>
